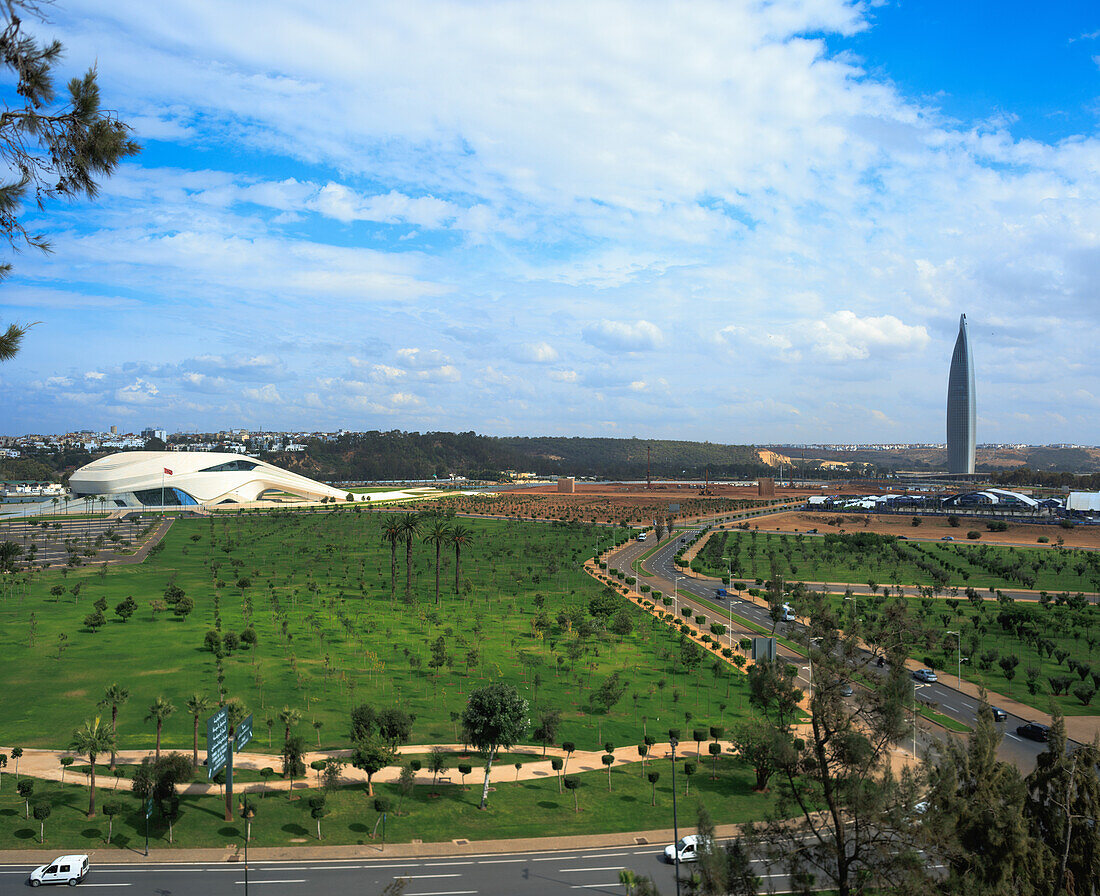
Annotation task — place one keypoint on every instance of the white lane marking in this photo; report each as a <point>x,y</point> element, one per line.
<point>419,876</point>
<point>444,893</point>
<point>446,864</point>
<point>586,870</point>
<point>299,880</point>
<point>501,861</point>
<point>106,885</point>
<point>593,886</point>
<point>1014,737</point>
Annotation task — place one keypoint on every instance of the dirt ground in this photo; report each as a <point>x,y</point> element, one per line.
<point>931,528</point>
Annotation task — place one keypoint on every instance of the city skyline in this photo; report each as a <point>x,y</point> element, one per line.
<point>746,224</point>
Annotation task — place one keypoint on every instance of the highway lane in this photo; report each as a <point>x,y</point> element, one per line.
<point>497,874</point>
<point>700,593</point>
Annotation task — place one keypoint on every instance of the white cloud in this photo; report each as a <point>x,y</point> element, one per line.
<point>630,336</point>
<point>843,336</point>
<point>138,392</point>
<point>538,353</point>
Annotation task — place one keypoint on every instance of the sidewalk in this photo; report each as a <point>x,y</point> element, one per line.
<point>46,765</point>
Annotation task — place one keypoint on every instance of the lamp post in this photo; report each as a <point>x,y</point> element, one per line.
<point>675,829</point>
<point>676,595</point>
<point>959,667</point>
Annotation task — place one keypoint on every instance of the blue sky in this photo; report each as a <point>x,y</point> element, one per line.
<point>740,222</point>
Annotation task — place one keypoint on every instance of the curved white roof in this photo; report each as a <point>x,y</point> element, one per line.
<point>208,477</point>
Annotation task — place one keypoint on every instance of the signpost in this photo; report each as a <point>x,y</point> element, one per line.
<point>148,813</point>
<point>217,742</point>
<point>242,734</point>
<point>763,648</point>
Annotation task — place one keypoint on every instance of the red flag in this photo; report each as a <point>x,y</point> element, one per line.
<point>167,471</point>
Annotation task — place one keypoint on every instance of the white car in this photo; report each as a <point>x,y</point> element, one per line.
<point>688,848</point>
<point>69,870</point>
<point>788,614</point>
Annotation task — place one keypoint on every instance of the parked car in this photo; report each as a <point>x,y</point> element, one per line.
<point>845,689</point>
<point>688,848</point>
<point>69,870</point>
<point>999,715</point>
<point>926,675</point>
<point>1034,731</point>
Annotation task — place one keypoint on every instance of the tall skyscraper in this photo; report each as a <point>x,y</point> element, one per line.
<point>962,415</point>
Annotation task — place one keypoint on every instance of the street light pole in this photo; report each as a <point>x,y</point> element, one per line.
<point>675,829</point>
<point>676,595</point>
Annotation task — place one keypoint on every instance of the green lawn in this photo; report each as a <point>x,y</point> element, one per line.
<point>527,809</point>
<point>316,589</point>
<point>1004,629</point>
<point>862,557</point>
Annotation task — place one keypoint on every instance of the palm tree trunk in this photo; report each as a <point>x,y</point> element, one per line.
<point>91,792</point>
<point>393,571</point>
<point>195,745</point>
<point>114,730</point>
<point>437,547</point>
<point>157,756</point>
<point>456,570</point>
<point>408,569</point>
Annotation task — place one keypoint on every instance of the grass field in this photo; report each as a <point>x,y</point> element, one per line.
<point>525,809</point>
<point>1042,638</point>
<point>862,557</point>
<point>316,590</point>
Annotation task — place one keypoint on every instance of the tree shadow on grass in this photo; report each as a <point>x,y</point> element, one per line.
<point>358,827</point>
<point>8,813</point>
<point>229,831</point>
<point>548,804</point>
<point>295,829</point>
<point>25,834</point>
<point>92,834</point>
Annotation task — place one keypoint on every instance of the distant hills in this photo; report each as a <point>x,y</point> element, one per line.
<point>414,455</point>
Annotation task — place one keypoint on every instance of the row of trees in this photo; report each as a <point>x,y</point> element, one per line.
<point>407,527</point>
<point>862,825</point>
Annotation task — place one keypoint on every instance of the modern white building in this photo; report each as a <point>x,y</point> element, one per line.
<point>191,478</point>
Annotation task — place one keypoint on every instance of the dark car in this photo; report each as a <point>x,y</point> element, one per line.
<point>999,715</point>
<point>1034,731</point>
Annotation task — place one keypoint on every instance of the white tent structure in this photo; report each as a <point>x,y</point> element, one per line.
<point>190,478</point>
<point>1083,501</point>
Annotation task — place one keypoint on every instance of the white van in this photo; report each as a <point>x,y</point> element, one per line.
<point>69,870</point>
<point>641,536</point>
<point>788,614</point>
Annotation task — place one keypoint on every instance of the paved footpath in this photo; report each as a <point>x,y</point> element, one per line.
<point>46,764</point>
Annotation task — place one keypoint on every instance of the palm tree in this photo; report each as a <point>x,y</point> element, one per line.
<point>160,710</point>
<point>391,532</point>
<point>289,717</point>
<point>91,739</point>
<point>197,705</point>
<point>461,537</point>
<point>439,535</point>
<point>410,528</point>
<point>114,697</point>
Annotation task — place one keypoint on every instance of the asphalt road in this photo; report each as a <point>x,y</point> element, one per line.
<point>951,702</point>
<point>498,874</point>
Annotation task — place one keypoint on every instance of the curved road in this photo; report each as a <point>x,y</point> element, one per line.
<point>700,594</point>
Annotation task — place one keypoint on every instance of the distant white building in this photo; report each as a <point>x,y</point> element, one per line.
<point>191,478</point>
<point>1083,501</point>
